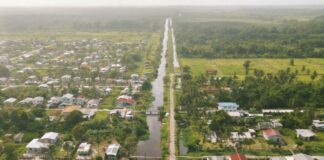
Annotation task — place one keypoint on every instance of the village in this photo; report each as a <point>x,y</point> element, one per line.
<point>89,82</point>
<point>239,133</point>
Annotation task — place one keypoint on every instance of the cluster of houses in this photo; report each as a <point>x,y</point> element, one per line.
<point>238,156</point>
<point>41,147</point>
<point>268,128</point>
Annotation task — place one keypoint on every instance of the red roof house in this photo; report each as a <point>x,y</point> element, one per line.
<point>237,156</point>
<point>272,134</point>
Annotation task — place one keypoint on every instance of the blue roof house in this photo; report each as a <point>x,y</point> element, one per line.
<point>228,106</point>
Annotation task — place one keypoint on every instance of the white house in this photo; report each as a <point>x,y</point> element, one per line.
<point>228,106</point>
<point>112,151</point>
<point>36,147</point>
<point>318,124</point>
<point>84,151</point>
<point>66,78</point>
<point>305,134</point>
<point>10,101</point>
<point>50,138</point>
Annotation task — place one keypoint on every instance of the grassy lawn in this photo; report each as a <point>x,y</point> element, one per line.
<point>102,115</point>
<point>227,67</point>
<point>109,101</point>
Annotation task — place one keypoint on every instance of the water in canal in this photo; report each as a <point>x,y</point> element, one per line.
<point>151,147</point>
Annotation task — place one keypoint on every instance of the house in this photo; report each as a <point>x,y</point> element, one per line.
<point>216,158</point>
<point>228,106</point>
<point>69,109</point>
<point>237,156</point>
<point>269,124</point>
<point>66,78</point>
<point>49,138</point>
<point>318,124</point>
<point>84,151</point>
<point>272,134</point>
<point>10,101</point>
<point>212,137</point>
<point>18,137</point>
<point>239,137</point>
<point>35,147</point>
<point>235,114</point>
<point>43,86</point>
<point>211,71</point>
<point>93,103</point>
<point>107,91</point>
<point>76,79</point>
<point>301,156</point>
<point>124,101</point>
<point>38,100</point>
<point>134,76</point>
<point>80,100</point>
<point>265,111</point>
<point>54,102</point>
<point>26,101</point>
<point>305,134</point>
<point>88,113</point>
<point>68,99</point>
<point>112,152</point>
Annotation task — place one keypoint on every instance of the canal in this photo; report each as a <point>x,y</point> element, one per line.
<point>151,147</point>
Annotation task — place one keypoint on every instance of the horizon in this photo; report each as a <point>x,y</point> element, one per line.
<point>155,3</point>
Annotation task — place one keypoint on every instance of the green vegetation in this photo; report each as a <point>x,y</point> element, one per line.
<point>234,67</point>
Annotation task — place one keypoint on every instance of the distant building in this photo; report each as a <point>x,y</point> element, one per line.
<point>228,106</point>
<point>10,101</point>
<point>93,103</point>
<point>88,113</point>
<point>18,137</point>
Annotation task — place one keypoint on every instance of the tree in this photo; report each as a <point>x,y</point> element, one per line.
<point>147,86</point>
<point>98,157</point>
<point>292,62</point>
<point>314,75</point>
<point>68,147</point>
<point>246,66</point>
<point>9,152</point>
<point>73,119</point>
<point>299,142</point>
<point>78,131</point>
<point>303,68</point>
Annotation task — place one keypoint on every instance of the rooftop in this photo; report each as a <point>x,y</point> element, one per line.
<point>305,132</point>
<point>50,135</point>
<point>112,149</point>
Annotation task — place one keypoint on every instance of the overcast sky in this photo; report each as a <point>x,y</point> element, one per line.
<point>23,3</point>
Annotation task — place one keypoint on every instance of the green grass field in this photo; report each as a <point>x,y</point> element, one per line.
<point>227,67</point>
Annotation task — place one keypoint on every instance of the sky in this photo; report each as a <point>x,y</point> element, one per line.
<point>53,3</point>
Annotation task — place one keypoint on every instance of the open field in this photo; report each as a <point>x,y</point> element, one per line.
<point>227,67</point>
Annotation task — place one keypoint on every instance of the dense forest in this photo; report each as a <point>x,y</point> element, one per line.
<point>81,19</point>
<point>236,39</point>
